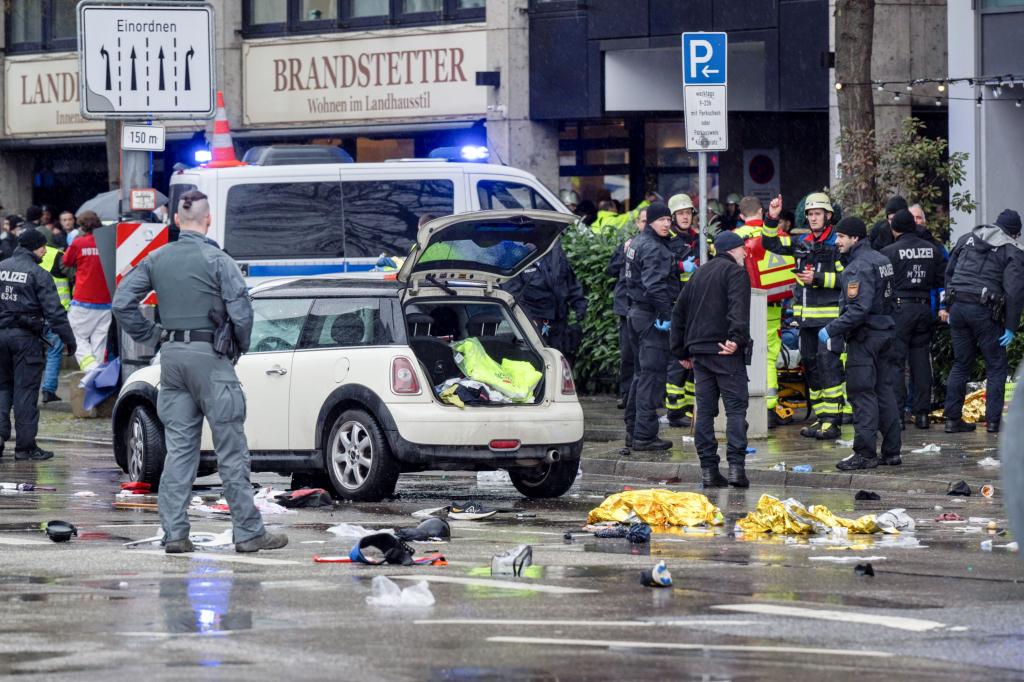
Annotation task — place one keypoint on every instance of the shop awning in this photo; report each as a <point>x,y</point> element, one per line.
<point>356,130</point>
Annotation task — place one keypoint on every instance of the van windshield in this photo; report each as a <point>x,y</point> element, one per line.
<point>291,220</point>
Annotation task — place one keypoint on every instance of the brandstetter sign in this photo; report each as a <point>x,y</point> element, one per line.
<point>364,79</point>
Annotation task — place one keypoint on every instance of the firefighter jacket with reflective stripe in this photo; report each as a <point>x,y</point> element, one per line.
<point>52,264</point>
<point>770,272</point>
<point>818,303</point>
<point>685,245</point>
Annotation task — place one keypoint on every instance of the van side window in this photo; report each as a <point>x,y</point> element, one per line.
<point>382,216</point>
<point>499,194</point>
<point>284,220</point>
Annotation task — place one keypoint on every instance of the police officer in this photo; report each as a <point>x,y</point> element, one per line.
<point>918,270</point>
<point>881,233</point>
<point>28,304</point>
<point>193,278</point>
<point>546,291</point>
<point>985,291</point>
<point>685,247</point>
<point>652,284</point>
<point>620,306</point>
<point>866,326</point>
<point>818,264</point>
<point>711,335</point>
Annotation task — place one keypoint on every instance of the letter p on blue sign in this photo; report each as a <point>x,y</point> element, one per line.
<point>705,57</point>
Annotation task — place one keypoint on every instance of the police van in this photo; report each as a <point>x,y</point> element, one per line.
<point>302,210</point>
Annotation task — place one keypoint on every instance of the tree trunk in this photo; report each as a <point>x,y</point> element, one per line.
<point>113,153</point>
<point>855,23</point>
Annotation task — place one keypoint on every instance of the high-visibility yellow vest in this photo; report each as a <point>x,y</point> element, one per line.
<point>770,272</point>
<point>63,286</point>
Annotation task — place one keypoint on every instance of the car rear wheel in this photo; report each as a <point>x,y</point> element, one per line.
<point>546,480</point>
<point>358,458</point>
<point>144,437</point>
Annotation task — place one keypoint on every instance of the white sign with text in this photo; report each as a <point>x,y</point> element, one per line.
<point>347,79</point>
<point>707,118</point>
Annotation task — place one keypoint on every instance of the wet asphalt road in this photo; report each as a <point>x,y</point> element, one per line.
<point>91,609</point>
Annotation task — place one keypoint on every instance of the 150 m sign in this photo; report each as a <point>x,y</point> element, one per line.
<point>143,138</point>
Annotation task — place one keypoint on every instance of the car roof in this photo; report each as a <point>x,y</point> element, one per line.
<point>347,169</point>
<point>329,287</point>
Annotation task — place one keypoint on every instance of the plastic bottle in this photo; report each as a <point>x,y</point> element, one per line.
<point>803,468</point>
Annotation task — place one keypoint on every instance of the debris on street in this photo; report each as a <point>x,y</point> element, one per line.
<point>658,507</point>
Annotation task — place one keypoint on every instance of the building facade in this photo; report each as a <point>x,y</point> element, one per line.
<point>986,115</point>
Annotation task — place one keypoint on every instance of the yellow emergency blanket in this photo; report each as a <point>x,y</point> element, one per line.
<point>790,517</point>
<point>515,379</point>
<point>974,404</point>
<point>658,507</point>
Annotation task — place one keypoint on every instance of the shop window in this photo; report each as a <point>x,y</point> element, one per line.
<point>279,17</point>
<point>498,194</point>
<point>40,25</point>
<point>318,10</point>
<point>361,9</point>
<point>265,12</point>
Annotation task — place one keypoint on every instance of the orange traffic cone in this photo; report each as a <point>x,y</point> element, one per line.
<point>223,148</point>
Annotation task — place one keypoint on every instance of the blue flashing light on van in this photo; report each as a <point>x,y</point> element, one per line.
<point>470,152</point>
<point>203,156</point>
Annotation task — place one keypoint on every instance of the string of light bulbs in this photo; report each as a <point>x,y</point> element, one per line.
<point>995,83</point>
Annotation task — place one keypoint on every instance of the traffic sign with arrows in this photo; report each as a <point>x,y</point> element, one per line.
<point>154,60</point>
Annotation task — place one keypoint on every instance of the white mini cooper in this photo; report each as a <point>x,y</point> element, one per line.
<point>341,373</point>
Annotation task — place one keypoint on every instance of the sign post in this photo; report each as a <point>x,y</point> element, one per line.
<point>140,62</point>
<point>705,83</point>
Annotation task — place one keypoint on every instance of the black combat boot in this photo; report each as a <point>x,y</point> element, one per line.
<point>738,476</point>
<point>828,431</point>
<point>711,477</point>
<point>959,426</point>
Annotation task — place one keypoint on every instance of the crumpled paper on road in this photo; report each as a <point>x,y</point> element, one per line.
<point>791,517</point>
<point>658,507</point>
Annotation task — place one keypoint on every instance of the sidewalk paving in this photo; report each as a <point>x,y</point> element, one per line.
<point>927,473</point>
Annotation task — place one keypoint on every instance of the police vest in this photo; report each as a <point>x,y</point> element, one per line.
<point>770,272</point>
<point>63,287</point>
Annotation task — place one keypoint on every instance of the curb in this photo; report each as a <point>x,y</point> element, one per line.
<point>768,477</point>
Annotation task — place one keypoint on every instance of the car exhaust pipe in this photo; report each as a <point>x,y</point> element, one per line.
<point>552,456</point>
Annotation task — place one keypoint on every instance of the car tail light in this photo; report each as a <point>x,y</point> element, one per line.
<point>504,445</point>
<point>568,385</point>
<point>403,377</point>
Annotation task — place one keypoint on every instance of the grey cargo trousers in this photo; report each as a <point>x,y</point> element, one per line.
<point>195,382</point>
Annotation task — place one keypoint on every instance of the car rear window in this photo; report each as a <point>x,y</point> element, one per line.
<point>353,219</point>
<point>499,194</point>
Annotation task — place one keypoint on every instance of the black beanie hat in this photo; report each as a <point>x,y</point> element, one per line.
<point>31,239</point>
<point>896,203</point>
<point>903,221</point>
<point>727,241</point>
<point>1009,222</point>
<point>657,210</point>
<point>853,227</point>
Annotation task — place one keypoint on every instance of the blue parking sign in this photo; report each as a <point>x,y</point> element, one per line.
<point>705,56</point>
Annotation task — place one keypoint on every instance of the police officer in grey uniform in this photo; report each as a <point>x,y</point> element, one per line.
<point>191,278</point>
<point>28,299</point>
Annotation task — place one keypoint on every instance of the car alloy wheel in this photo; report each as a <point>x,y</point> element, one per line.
<point>136,449</point>
<point>352,455</point>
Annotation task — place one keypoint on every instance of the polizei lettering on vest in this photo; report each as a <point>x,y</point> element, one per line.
<point>13,277</point>
<point>923,253</point>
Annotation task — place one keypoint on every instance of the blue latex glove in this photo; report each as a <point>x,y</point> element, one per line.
<point>1006,338</point>
<point>823,336</point>
<point>663,325</point>
<point>689,265</point>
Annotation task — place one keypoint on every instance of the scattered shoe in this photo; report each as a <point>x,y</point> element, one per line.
<point>992,427</point>
<point>470,511</point>
<point>921,421</point>
<point>855,462</point>
<point>959,426</point>
<point>828,431</point>
<point>655,444</point>
<point>711,477</point>
<point>180,547</point>
<point>36,454</point>
<point>810,431</point>
<point>265,541</point>
<point>50,397</point>
<point>891,460</point>
<point>738,476</point>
